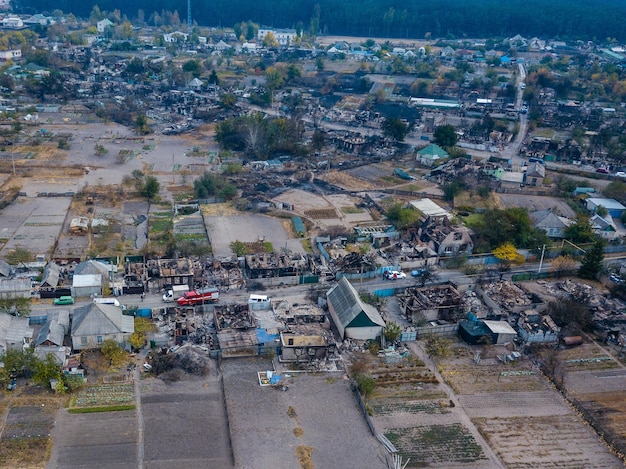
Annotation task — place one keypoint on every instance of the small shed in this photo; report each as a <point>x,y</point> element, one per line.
<point>501,331</point>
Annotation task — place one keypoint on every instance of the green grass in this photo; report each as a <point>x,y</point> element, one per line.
<point>91,410</point>
<point>268,246</point>
<point>349,210</point>
<point>473,219</point>
<point>160,225</point>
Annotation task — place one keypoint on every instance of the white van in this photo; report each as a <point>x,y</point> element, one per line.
<point>258,299</point>
<point>175,292</point>
<point>107,301</point>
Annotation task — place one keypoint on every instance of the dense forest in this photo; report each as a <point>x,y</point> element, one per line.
<point>567,19</point>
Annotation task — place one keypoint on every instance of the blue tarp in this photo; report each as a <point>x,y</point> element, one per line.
<point>264,338</point>
<point>275,379</point>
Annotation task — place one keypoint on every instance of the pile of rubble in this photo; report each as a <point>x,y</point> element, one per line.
<point>507,294</point>
<point>601,304</point>
<point>471,303</point>
<point>190,358</point>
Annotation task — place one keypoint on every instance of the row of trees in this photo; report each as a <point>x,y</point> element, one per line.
<point>370,18</point>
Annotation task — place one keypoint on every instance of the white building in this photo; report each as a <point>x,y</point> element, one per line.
<point>284,37</point>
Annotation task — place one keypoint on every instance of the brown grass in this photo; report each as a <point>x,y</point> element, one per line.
<point>25,453</point>
<point>298,432</point>
<point>305,457</point>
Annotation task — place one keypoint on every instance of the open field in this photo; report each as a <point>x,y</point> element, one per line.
<point>26,419</point>
<point>556,441</point>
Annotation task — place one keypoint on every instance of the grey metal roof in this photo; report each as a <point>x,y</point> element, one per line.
<point>14,330</point>
<point>5,269</point>
<point>51,275</point>
<point>347,304</point>
<point>91,267</point>
<point>55,328</point>
<point>100,319</point>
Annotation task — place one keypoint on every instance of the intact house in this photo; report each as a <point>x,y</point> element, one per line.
<point>551,223</point>
<point>446,239</point>
<point>102,25</point>
<point>94,323</point>
<point>13,54</point>
<point>51,337</point>
<point>614,208</point>
<point>483,331</point>
<point>429,155</point>
<point>603,227</point>
<point>15,287</point>
<point>352,317</point>
<point>535,174</point>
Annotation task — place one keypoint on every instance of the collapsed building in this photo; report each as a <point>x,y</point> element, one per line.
<point>278,265</point>
<point>535,328</point>
<point>433,303</point>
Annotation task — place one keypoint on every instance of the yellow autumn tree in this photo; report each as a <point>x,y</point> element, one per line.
<point>508,254</point>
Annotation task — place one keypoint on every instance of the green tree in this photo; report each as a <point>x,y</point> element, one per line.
<point>392,331</point>
<point>402,217</point>
<point>150,187</point>
<point>395,128</point>
<point>365,383</point>
<point>273,78</point>
<point>141,125</point>
<point>591,265</point>
<point>142,327</point>
<point>616,189</point>
<point>445,135</point>
<point>451,190</point>
<point>14,305</point>
<point>19,256</point>
<point>113,352</point>
<point>436,346</point>
<point>193,66</point>
<point>100,150</point>
<point>45,370</point>
<point>581,231</point>
<point>239,248</point>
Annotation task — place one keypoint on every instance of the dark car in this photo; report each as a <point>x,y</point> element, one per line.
<point>602,170</point>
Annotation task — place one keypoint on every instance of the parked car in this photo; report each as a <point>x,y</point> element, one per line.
<point>64,300</point>
<point>620,174</point>
<point>394,275</point>
<point>419,272</point>
<point>602,170</point>
<point>616,278</point>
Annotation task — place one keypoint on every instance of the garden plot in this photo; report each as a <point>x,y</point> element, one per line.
<point>559,441</point>
<point>348,182</point>
<point>28,422</point>
<point>478,379</point>
<point>104,395</point>
<point>348,207</point>
<point>437,445</point>
<point>379,174</point>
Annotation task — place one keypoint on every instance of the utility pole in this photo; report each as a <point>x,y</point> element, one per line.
<point>543,251</point>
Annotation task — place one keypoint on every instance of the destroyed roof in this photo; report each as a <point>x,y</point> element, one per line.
<point>349,306</point>
<point>101,319</point>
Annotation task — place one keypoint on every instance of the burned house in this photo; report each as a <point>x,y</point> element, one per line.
<point>306,343</point>
<point>433,303</point>
<point>534,328</point>
<point>267,265</point>
<point>169,272</point>
<point>446,239</point>
<point>236,331</point>
<point>135,275</point>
